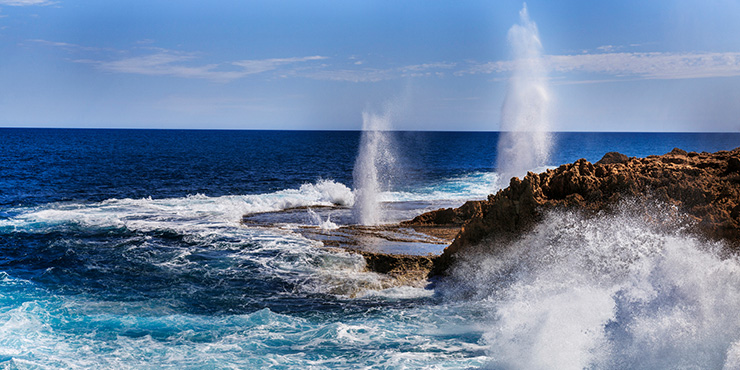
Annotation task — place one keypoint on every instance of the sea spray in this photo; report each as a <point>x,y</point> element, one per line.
<point>617,291</point>
<point>315,219</point>
<point>524,143</point>
<point>373,167</point>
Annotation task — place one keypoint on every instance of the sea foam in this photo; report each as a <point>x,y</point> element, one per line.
<point>180,213</point>
<point>612,291</point>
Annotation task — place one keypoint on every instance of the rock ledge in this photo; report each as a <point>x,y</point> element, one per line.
<point>706,186</point>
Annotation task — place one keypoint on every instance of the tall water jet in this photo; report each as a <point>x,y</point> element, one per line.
<point>372,167</point>
<point>524,143</point>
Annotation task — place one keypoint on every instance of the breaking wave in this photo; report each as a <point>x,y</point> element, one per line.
<point>626,290</point>
<point>194,211</point>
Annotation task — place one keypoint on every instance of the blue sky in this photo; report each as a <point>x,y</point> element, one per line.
<point>613,66</point>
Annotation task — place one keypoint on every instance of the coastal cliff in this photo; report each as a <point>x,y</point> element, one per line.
<point>704,186</point>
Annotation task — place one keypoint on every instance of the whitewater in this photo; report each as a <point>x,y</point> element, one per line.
<point>144,261</point>
<point>205,277</point>
<point>576,292</point>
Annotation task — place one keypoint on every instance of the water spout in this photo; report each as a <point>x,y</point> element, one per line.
<point>525,142</point>
<point>372,168</point>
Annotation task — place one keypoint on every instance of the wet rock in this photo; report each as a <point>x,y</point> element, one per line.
<point>404,269</point>
<point>705,186</point>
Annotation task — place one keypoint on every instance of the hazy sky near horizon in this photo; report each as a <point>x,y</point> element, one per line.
<point>441,65</point>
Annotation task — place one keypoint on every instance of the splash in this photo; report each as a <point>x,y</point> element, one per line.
<point>372,168</point>
<point>609,292</point>
<point>524,143</point>
<point>316,220</point>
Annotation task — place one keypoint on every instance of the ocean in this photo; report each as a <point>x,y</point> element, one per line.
<point>125,249</point>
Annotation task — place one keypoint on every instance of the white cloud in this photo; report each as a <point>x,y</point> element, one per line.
<point>165,62</point>
<point>576,68</point>
<point>26,2</point>
<point>631,65</point>
<point>486,68</point>
<point>426,69</point>
<point>162,63</point>
<point>650,65</point>
<point>176,64</point>
<point>608,48</point>
<point>352,75</point>
<point>379,74</point>
<point>68,46</point>
<point>428,66</point>
<point>263,65</point>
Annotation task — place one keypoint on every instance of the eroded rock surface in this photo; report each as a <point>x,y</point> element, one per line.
<point>706,186</point>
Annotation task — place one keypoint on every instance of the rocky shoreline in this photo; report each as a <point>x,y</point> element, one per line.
<point>704,186</point>
<point>403,253</point>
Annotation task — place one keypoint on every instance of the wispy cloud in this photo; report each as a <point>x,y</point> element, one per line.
<point>160,63</point>
<point>263,65</point>
<point>608,48</point>
<point>651,65</point>
<point>180,64</point>
<point>589,67</point>
<point>153,61</point>
<point>68,46</point>
<point>630,65</point>
<point>368,74</point>
<point>427,69</point>
<point>352,75</point>
<point>26,2</point>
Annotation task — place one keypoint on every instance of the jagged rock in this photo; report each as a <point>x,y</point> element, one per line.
<point>403,268</point>
<point>704,185</point>
<point>447,216</point>
<point>612,158</point>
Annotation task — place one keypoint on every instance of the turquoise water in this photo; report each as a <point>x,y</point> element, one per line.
<point>124,249</point>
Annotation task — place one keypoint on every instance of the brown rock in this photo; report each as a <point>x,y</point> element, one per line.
<point>447,216</point>
<point>612,158</point>
<point>399,266</point>
<point>704,185</point>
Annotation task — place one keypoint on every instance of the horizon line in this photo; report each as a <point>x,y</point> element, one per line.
<point>349,130</point>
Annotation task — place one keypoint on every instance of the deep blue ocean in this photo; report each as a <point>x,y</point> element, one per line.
<point>125,249</point>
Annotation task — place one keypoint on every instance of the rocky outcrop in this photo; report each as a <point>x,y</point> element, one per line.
<point>405,269</point>
<point>706,186</point>
<point>447,216</point>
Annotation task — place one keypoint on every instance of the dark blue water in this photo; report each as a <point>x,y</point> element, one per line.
<point>124,248</point>
<point>47,165</point>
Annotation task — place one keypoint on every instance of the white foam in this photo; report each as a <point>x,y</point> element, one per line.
<point>180,213</point>
<point>322,224</point>
<point>216,222</point>
<point>75,332</point>
<point>616,291</point>
<point>401,292</point>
